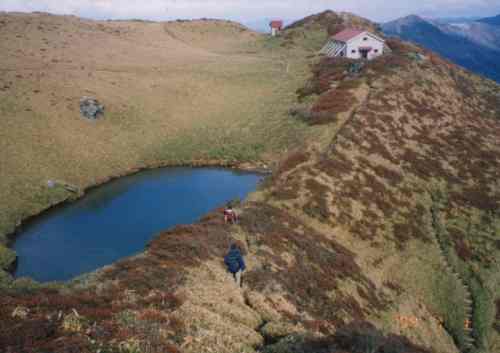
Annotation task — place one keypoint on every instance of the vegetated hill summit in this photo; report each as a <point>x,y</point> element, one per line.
<point>378,233</point>
<point>328,19</point>
<point>474,45</point>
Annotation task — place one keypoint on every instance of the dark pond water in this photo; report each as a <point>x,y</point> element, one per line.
<point>118,219</point>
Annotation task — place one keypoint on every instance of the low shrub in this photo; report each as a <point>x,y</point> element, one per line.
<point>334,101</point>
<point>356,337</point>
<point>363,337</point>
<point>57,322</point>
<point>325,72</point>
<point>462,249</point>
<point>293,159</point>
<point>322,118</point>
<point>319,264</point>
<point>317,206</point>
<point>311,117</point>
<point>394,287</point>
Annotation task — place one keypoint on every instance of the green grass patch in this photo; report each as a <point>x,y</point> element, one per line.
<point>445,296</point>
<point>7,257</point>
<point>468,241</point>
<point>8,106</point>
<point>483,314</point>
<point>38,200</point>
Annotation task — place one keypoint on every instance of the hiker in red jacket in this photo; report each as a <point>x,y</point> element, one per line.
<point>230,215</point>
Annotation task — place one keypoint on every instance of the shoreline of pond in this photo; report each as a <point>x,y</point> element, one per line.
<point>10,268</point>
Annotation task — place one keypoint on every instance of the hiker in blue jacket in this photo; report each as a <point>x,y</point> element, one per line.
<point>235,263</point>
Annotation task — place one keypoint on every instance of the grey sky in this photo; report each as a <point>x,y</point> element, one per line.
<point>250,10</point>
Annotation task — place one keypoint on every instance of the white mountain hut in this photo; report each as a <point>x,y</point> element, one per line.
<point>354,44</point>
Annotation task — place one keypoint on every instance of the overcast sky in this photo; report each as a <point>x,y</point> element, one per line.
<point>251,10</point>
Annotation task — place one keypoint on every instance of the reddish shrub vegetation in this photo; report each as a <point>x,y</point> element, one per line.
<point>390,176</point>
<point>462,249</point>
<point>325,72</point>
<point>322,118</point>
<point>166,302</point>
<point>16,335</point>
<point>402,233</point>
<point>364,337</point>
<point>319,263</point>
<point>292,161</point>
<point>386,64</point>
<point>317,206</point>
<point>411,227</point>
<point>476,196</point>
<point>401,47</point>
<point>286,191</point>
<point>375,145</point>
<point>153,278</point>
<point>330,104</point>
<point>367,181</point>
<point>458,149</point>
<point>67,344</point>
<point>40,330</point>
<point>356,337</point>
<point>172,252</point>
<point>153,316</point>
<point>317,326</point>
<point>394,286</point>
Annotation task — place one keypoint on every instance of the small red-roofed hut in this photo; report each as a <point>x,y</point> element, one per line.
<point>354,43</point>
<point>276,27</point>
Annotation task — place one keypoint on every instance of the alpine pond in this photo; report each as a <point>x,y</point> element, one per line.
<point>119,218</point>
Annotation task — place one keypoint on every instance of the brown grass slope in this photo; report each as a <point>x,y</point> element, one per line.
<point>425,141</point>
<point>168,89</point>
<point>341,242</point>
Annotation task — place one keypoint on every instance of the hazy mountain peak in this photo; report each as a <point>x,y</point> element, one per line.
<point>412,19</point>
<point>397,26</point>
<point>474,45</point>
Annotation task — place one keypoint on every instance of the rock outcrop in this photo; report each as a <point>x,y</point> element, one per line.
<point>90,108</point>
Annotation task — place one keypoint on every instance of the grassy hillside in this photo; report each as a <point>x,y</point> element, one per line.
<point>174,93</point>
<point>410,182</point>
<point>379,234</point>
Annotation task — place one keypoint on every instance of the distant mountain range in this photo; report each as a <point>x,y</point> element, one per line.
<point>474,45</point>
<point>494,21</point>
<point>477,32</point>
<point>448,20</point>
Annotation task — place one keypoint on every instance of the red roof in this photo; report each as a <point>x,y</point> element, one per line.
<point>347,34</point>
<point>276,24</point>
